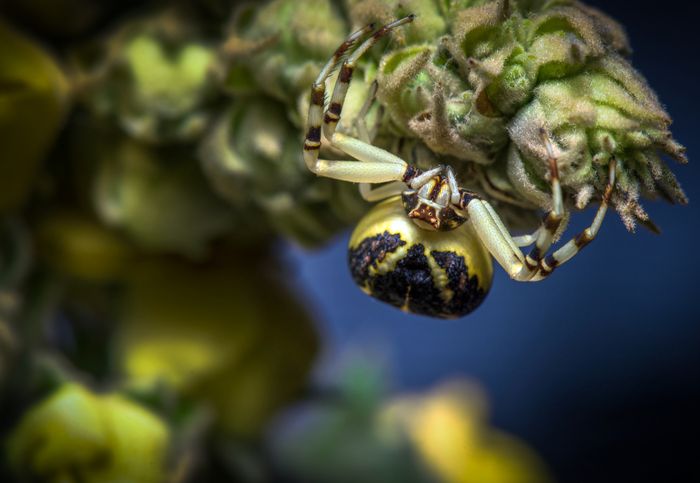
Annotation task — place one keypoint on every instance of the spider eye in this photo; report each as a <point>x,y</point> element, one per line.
<point>441,274</point>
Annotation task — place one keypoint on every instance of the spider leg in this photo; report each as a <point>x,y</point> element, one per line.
<point>420,180</point>
<point>526,240</point>
<point>454,187</point>
<point>543,236</point>
<point>340,89</point>
<point>370,172</point>
<point>377,165</point>
<point>381,192</point>
<point>490,232</point>
<point>552,220</point>
<point>573,246</point>
<point>504,248</point>
<point>312,142</point>
<point>367,192</point>
<point>363,132</point>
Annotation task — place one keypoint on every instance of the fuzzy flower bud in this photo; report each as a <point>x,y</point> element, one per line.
<point>154,79</point>
<point>278,48</point>
<point>252,158</point>
<point>77,435</point>
<point>485,87</point>
<point>159,197</point>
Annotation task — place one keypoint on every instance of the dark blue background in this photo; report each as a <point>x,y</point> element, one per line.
<point>598,366</point>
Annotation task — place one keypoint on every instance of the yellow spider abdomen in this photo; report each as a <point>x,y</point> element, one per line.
<point>444,274</point>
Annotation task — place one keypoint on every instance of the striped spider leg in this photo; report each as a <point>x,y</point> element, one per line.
<point>377,165</point>
<point>433,198</point>
<point>537,264</point>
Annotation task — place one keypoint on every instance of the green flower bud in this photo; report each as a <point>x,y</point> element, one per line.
<point>154,78</point>
<point>220,333</point>
<point>77,435</point>
<point>253,158</point>
<point>33,103</point>
<point>159,197</point>
<point>431,13</point>
<point>278,48</point>
<point>482,89</point>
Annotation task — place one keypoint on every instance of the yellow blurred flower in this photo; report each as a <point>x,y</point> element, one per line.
<point>76,435</point>
<point>448,429</point>
<point>219,332</point>
<point>33,102</point>
<point>79,246</point>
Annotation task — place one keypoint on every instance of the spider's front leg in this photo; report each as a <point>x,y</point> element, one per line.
<point>367,191</point>
<point>377,165</point>
<point>504,248</point>
<point>544,236</point>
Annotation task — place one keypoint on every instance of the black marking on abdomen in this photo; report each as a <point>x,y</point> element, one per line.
<point>467,295</point>
<point>411,284</point>
<point>369,253</point>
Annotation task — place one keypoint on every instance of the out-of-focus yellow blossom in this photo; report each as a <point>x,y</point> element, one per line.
<point>448,429</point>
<point>220,332</point>
<point>76,436</point>
<point>78,246</point>
<point>33,102</point>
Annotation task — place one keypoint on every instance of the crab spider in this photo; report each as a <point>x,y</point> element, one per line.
<point>427,247</point>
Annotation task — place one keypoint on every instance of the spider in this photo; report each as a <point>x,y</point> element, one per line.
<point>427,247</point>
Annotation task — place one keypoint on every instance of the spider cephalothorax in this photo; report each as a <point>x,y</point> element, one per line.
<point>425,249</point>
<point>433,198</point>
